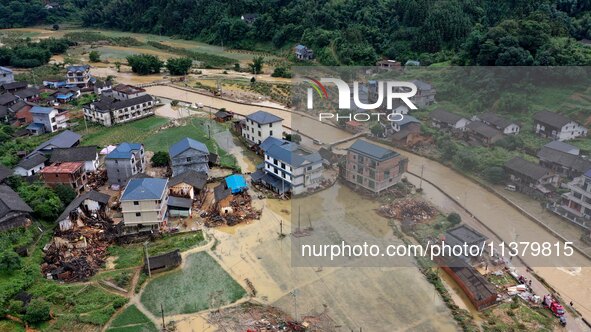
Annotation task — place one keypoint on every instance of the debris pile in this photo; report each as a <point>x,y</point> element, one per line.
<point>414,209</point>
<point>97,179</point>
<point>231,210</point>
<point>78,253</point>
<point>255,317</point>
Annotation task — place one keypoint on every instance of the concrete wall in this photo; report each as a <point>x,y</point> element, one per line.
<point>190,159</point>
<point>120,170</point>
<point>257,135</point>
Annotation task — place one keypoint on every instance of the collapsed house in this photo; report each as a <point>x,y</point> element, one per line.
<point>79,246</point>
<point>232,203</point>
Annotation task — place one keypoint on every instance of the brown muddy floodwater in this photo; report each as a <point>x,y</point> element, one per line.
<point>371,298</point>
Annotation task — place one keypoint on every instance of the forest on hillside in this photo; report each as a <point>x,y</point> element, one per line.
<point>348,32</point>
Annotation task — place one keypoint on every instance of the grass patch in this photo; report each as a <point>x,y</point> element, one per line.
<point>131,319</point>
<point>202,284</point>
<point>136,131</point>
<point>120,278</point>
<point>10,326</point>
<point>522,318</point>
<point>133,255</point>
<point>206,59</point>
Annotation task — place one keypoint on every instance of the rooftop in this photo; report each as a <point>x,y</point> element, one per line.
<point>124,150</point>
<point>107,104</point>
<point>32,160</point>
<point>144,189</point>
<point>236,183</point>
<point>26,93</point>
<point>180,202</point>
<point>7,98</point>
<point>79,153</point>
<point>14,85</point>
<point>563,147</point>
<point>13,200</point>
<point>445,116</point>
<point>565,159</point>
<point>4,172</point>
<point>77,68</point>
<point>292,155</point>
<point>483,129</point>
<point>65,139</point>
<point>196,179</point>
<point>527,168</point>
<point>128,89</point>
<point>551,118</point>
<point>67,167</point>
<point>372,150</point>
<point>41,110</point>
<point>91,195</point>
<point>498,121</point>
<point>262,117</point>
<point>185,144</point>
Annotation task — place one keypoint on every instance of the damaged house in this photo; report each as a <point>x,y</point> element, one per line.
<point>14,212</point>
<point>89,203</point>
<point>188,184</point>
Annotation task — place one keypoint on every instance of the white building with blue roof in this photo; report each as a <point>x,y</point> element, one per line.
<point>260,125</point>
<point>6,75</point>
<point>125,161</point>
<point>47,120</point>
<point>144,204</point>
<point>189,155</point>
<point>288,168</point>
<point>78,75</point>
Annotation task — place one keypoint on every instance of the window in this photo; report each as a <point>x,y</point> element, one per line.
<point>138,214</point>
<point>386,174</point>
<point>372,173</point>
<point>371,184</point>
<point>270,133</point>
<point>309,168</point>
<point>259,133</point>
<point>188,159</point>
<point>283,165</point>
<point>359,179</point>
<point>275,162</point>
<point>259,125</point>
<point>136,203</point>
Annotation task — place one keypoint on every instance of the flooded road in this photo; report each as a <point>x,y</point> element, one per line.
<point>572,282</point>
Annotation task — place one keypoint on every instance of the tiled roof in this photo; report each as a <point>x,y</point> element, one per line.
<point>551,118</point>
<point>32,160</point>
<point>180,202</point>
<point>42,110</point>
<point>144,189</point>
<point>65,139</point>
<point>196,179</point>
<point>185,144</point>
<point>79,153</point>
<point>445,116</point>
<point>262,117</point>
<point>527,168</point>
<point>124,150</point>
<point>107,104</point>
<point>291,156</point>
<point>7,98</point>
<point>372,150</point>
<point>4,172</point>
<point>13,200</point>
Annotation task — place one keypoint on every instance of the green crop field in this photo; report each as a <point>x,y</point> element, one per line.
<point>136,131</point>
<point>201,284</point>
<point>131,319</point>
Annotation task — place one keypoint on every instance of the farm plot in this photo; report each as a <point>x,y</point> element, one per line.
<point>201,284</point>
<point>131,319</point>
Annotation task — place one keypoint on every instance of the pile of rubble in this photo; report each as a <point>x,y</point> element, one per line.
<point>413,209</point>
<point>78,253</point>
<point>255,317</point>
<point>241,211</point>
<point>97,179</point>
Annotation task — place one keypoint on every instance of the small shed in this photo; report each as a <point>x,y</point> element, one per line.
<point>179,206</point>
<point>236,183</point>
<point>164,262</point>
<point>223,116</point>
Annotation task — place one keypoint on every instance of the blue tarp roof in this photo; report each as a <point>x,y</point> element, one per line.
<point>236,183</point>
<point>64,96</point>
<point>144,189</point>
<point>187,143</point>
<point>35,126</point>
<point>42,110</point>
<point>124,150</point>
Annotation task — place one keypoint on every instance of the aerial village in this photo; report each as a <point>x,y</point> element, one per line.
<point>191,231</point>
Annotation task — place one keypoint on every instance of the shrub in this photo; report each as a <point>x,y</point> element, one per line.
<point>160,159</point>
<point>494,174</point>
<point>94,56</point>
<point>454,218</point>
<point>38,311</point>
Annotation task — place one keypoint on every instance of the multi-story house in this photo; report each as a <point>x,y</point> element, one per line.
<point>70,174</point>
<point>6,75</point>
<point>260,125</point>
<point>373,167</point>
<point>557,126</point>
<point>125,161</point>
<point>78,75</point>
<point>564,159</point>
<point>144,204</point>
<point>189,154</point>
<point>47,119</point>
<point>578,200</point>
<point>303,53</point>
<point>288,168</point>
<point>109,111</point>
<point>125,92</point>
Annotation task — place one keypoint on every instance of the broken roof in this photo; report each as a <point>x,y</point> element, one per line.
<point>526,168</point>
<point>262,117</point>
<point>144,189</point>
<point>551,118</point>
<point>445,116</point>
<point>223,114</point>
<point>12,200</point>
<point>185,144</point>
<point>67,167</point>
<point>220,192</point>
<point>372,150</point>
<point>91,195</point>
<point>79,153</point>
<point>191,177</point>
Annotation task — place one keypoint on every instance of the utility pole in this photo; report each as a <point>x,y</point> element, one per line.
<point>295,303</point>
<point>281,227</point>
<point>162,311</point>
<point>421,182</point>
<point>208,131</point>
<point>147,258</point>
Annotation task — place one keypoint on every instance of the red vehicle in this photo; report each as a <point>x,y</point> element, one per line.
<point>553,305</point>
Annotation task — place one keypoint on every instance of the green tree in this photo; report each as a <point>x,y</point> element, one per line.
<point>160,159</point>
<point>94,56</point>
<point>38,311</point>
<point>377,130</point>
<point>256,66</point>
<point>144,64</point>
<point>494,174</point>
<point>179,66</point>
<point>281,72</point>
<point>118,66</point>
<point>10,261</point>
<point>454,218</point>
<point>65,193</point>
<point>466,160</point>
<point>44,201</point>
